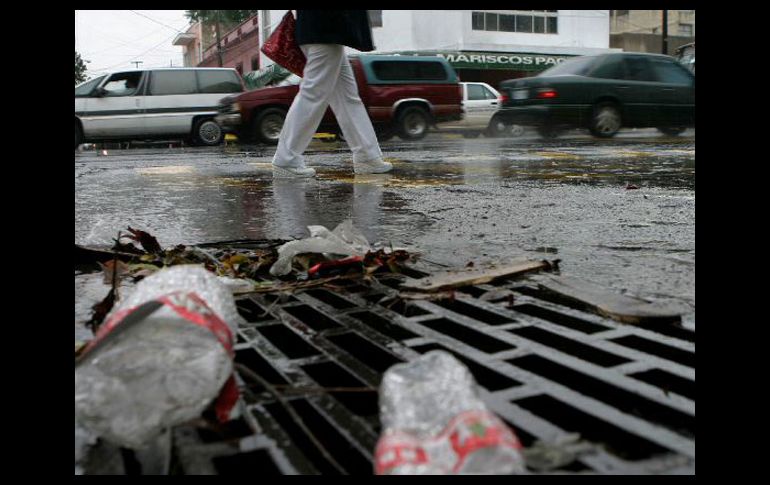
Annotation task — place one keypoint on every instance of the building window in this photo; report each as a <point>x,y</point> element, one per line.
<point>375,18</point>
<point>685,30</point>
<point>255,63</point>
<point>524,21</point>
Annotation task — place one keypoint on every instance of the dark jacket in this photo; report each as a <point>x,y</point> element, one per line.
<point>344,27</point>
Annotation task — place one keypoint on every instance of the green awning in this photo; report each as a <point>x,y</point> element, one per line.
<point>516,61</point>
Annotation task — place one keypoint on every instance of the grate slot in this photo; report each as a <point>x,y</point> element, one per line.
<point>347,455</point>
<point>366,352</point>
<point>474,291</point>
<point>658,349</point>
<point>474,312</point>
<point>569,346</point>
<point>329,374</point>
<point>383,326</point>
<point>488,379</point>
<point>244,464</point>
<point>251,311</point>
<point>667,382</point>
<point>467,335</point>
<point>407,309</point>
<point>616,440</point>
<point>560,319</point>
<point>231,430</point>
<point>251,359</point>
<point>614,396</point>
<point>288,342</point>
<point>330,299</point>
<point>311,317</point>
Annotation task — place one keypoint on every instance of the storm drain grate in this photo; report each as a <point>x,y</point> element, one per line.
<point>545,368</point>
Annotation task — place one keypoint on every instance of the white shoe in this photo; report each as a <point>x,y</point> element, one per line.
<point>372,166</point>
<point>292,172</point>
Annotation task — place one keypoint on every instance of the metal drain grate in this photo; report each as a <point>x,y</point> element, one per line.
<point>545,368</point>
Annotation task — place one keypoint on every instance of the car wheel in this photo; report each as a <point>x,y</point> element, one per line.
<point>268,125</point>
<point>517,130</point>
<point>413,123</point>
<point>606,121</point>
<point>78,136</point>
<point>207,132</point>
<point>672,130</point>
<point>471,134</point>
<point>496,129</point>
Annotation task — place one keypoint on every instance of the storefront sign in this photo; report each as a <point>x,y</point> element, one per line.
<point>498,60</point>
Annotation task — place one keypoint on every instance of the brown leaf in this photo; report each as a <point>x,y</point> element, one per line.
<point>100,310</point>
<point>148,242</point>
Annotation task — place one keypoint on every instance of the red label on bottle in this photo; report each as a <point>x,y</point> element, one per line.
<point>466,433</point>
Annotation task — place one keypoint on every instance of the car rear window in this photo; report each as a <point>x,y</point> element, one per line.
<point>409,70</point>
<point>578,66</point>
<point>639,69</point>
<point>610,67</point>
<point>670,72</point>
<point>219,82</point>
<point>173,82</point>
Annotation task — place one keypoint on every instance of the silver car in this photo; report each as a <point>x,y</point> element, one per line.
<point>153,104</point>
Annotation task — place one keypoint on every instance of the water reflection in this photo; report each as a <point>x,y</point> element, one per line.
<point>301,203</point>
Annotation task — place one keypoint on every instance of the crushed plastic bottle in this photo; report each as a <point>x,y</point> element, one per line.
<point>435,423</point>
<point>162,356</point>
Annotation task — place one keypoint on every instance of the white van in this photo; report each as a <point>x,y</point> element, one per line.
<point>152,104</point>
<point>480,104</point>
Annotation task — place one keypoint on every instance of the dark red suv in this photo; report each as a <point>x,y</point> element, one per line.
<point>404,96</point>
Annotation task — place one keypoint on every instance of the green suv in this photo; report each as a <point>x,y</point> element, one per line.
<point>604,93</point>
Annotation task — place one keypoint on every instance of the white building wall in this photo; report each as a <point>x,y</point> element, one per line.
<point>581,32</point>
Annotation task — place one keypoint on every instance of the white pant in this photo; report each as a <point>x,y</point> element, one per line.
<point>328,81</point>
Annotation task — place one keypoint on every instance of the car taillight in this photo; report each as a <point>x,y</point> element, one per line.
<point>547,93</point>
<point>503,99</point>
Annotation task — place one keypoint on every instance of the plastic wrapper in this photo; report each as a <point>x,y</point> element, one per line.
<point>344,240</point>
<point>261,78</point>
<point>162,356</point>
<point>435,423</point>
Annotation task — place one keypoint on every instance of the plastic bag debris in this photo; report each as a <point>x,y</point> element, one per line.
<point>435,423</point>
<point>163,355</point>
<point>344,240</point>
<point>546,456</point>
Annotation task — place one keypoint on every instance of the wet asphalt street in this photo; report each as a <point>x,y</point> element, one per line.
<point>454,200</point>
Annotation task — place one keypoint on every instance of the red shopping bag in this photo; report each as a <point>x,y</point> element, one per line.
<point>282,46</point>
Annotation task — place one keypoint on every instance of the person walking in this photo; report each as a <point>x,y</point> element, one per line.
<point>328,80</point>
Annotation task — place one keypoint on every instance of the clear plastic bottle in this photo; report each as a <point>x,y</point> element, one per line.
<point>435,423</point>
<point>162,356</point>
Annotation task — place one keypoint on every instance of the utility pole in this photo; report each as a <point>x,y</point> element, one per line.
<point>136,63</point>
<point>219,44</point>
<point>664,48</point>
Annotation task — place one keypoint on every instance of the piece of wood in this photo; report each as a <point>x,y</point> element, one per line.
<point>476,276</point>
<point>599,300</point>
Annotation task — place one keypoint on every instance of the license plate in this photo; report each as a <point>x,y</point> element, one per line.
<point>521,94</point>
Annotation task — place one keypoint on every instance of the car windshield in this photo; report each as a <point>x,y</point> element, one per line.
<point>578,66</point>
<point>86,88</point>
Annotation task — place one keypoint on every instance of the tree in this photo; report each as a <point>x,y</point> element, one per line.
<point>225,16</point>
<point>80,69</point>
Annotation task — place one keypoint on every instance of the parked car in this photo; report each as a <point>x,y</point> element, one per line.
<point>403,95</point>
<point>481,103</point>
<point>153,104</point>
<point>604,93</point>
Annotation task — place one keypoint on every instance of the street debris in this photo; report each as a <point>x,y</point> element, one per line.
<point>545,456</point>
<point>434,423</point>
<point>162,356</point>
<point>344,240</point>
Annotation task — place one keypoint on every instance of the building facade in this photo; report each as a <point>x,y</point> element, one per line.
<point>641,30</point>
<point>239,45</point>
<point>484,45</point>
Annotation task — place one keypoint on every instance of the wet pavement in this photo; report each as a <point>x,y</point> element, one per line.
<point>455,200</point>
